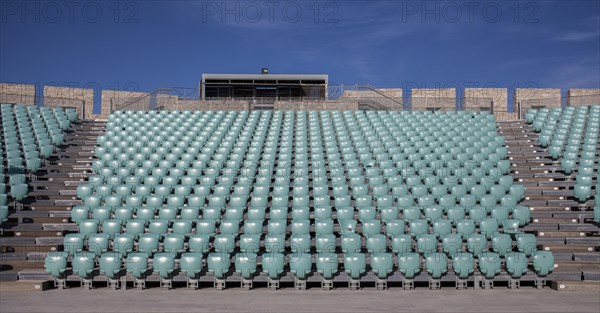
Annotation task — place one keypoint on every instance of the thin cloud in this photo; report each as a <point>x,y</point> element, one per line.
<point>578,36</point>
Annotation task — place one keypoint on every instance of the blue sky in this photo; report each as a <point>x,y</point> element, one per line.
<point>145,45</point>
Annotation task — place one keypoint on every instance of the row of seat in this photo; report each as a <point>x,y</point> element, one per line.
<point>385,214</point>
<point>424,243</point>
<point>274,265</point>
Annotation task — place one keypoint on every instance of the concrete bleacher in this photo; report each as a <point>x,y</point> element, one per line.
<point>561,224</point>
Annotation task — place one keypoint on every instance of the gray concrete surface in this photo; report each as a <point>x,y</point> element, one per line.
<point>312,300</point>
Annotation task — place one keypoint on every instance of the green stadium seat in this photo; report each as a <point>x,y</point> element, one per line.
<point>355,264</point>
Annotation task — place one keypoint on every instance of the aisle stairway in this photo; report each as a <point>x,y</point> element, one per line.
<point>563,225</point>
<point>37,224</point>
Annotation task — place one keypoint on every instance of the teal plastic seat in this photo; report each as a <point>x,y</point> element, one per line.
<point>436,265</point>
<point>245,264</point>
<point>158,226</point>
<point>402,244</point>
<point>83,264</point>
<point>56,264</point>
<point>249,243</point>
<point>394,227</point>
<point>347,226</point>
<point>477,244</point>
<point>543,263</point>
<point>190,264</point>
<point>301,265</point>
<point>355,264</point>
<point>322,213</point>
<point>164,264</point>
<point>409,265</point>
<point>488,227</point>
<point>272,264</point>
<point>452,244</point>
<point>382,264</point>
<point>463,265</point>
<point>218,264</point>
<point>110,265</point>
<point>325,243</point>
<point>456,214</point>
<point>199,243</point>
<point>137,264</point>
<point>489,264</point>
<point>371,227</point>
<point>112,227</point>
<point>274,243</point>
<point>324,227</point>
<point>501,244</point>
<point>148,243</point>
<point>526,243</point>
<point>523,214</point>
<point>278,214</point>
<point>102,214</point>
<point>376,243</point>
<point>224,243</point>
<point>327,265</point>
<point>98,243</point>
<point>511,226</point>
<point>206,227</point>
<point>427,244</point>
<point>277,227</point>
<point>123,244</point>
<point>300,243</point>
<point>88,227</point>
<point>173,243</point>
<point>73,243</point>
<point>442,228</point>
<point>417,228</point>
<point>516,264</point>
<point>78,213</point>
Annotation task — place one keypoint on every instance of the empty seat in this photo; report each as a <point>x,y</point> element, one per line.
<point>382,264</point>
<point>354,264</point>
<point>218,264</point>
<point>436,265</point>
<point>409,265</point>
<point>56,264</point>
<point>83,264</point>
<point>516,264</point>
<point>110,265</point>
<point>137,264</point>
<point>272,265</point>
<point>301,265</point>
<point>463,265</point>
<point>327,265</point>
<point>164,264</point>
<point>245,264</point>
<point>543,263</point>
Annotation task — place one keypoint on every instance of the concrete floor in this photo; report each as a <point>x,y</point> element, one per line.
<point>312,300</point>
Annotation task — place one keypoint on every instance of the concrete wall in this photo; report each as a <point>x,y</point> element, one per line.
<point>579,97</point>
<point>383,97</point>
<point>537,97</point>
<point>117,97</point>
<point>506,116</point>
<point>17,93</point>
<point>433,98</point>
<point>477,98</point>
<point>71,97</point>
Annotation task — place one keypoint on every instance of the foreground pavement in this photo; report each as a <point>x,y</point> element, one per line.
<point>312,300</point>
